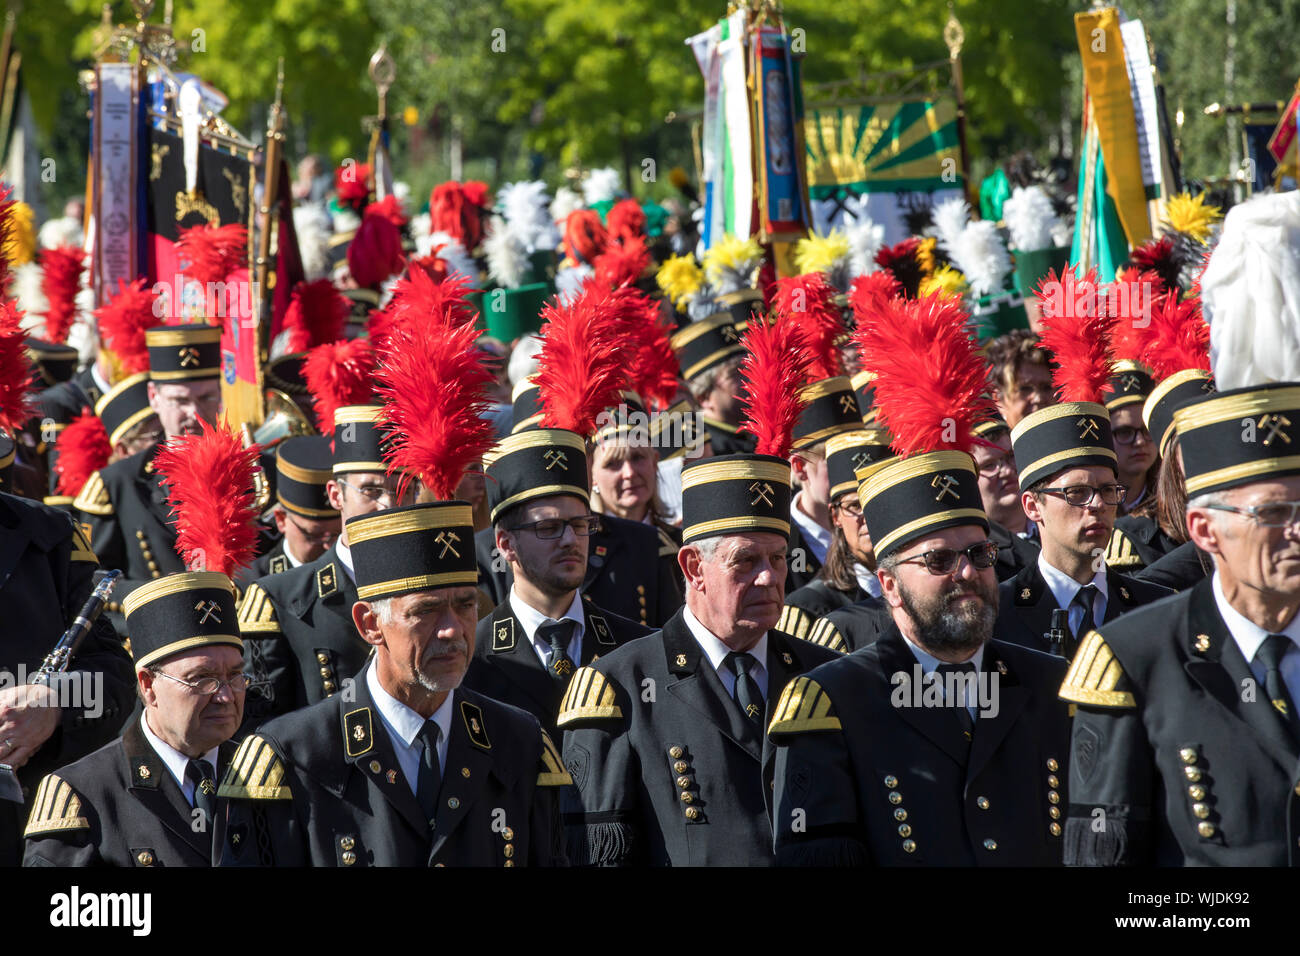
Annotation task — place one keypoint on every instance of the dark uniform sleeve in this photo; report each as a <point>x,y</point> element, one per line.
<point>603,824</point>
<point>546,840</point>
<point>1112,767</point>
<point>261,824</point>
<point>267,658</point>
<point>59,828</point>
<point>95,508</point>
<point>816,815</point>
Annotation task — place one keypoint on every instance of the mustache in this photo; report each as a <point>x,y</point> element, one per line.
<point>444,649</point>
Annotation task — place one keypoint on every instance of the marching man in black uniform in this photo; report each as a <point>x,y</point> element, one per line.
<point>307,522</point>
<point>527,649</point>
<point>149,797</point>
<point>935,745</point>
<point>709,353</point>
<point>412,769</point>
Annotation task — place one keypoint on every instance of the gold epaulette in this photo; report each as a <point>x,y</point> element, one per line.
<point>1120,552</point>
<point>795,621</point>
<point>589,697</point>
<point>256,773</point>
<point>667,546</point>
<point>56,806</point>
<point>257,613</point>
<point>81,549</point>
<point>826,634</point>
<point>93,498</point>
<point>803,707</point>
<point>1093,676</point>
<point>552,772</point>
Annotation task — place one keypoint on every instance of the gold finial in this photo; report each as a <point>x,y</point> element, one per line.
<point>382,72</point>
<point>953,34</point>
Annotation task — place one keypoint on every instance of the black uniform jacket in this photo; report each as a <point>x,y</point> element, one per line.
<point>46,574</point>
<point>120,806</point>
<point>852,628</point>
<point>801,564</point>
<point>1180,569</point>
<point>273,561</point>
<point>867,773</point>
<point>1146,543</point>
<point>506,668</point>
<point>669,771</point>
<point>812,601</point>
<point>728,439</point>
<point>300,644</point>
<point>1178,746</point>
<point>1025,605</point>
<point>62,403</point>
<point>1014,552</point>
<point>322,787</point>
<point>632,570</point>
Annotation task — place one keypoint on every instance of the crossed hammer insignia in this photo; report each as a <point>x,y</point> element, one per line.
<point>555,457</point>
<point>945,484</point>
<point>447,539</point>
<point>1130,382</point>
<point>729,334</point>
<point>189,356</point>
<point>1087,428</point>
<point>860,459</point>
<point>207,786</point>
<point>209,610</point>
<point>1274,424</point>
<point>847,403</point>
<point>761,490</point>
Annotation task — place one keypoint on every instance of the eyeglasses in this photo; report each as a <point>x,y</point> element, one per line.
<point>549,528</point>
<point>849,505</point>
<point>207,686</point>
<point>943,561</point>
<point>1082,495</point>
<point>371,492</point>
<point>314,536</point>
<point>1275,514</point>
<point>1128,434</point>
<point>1006,462</point>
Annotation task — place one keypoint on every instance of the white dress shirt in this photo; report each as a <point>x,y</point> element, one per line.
<point>929,664</point>
<point>669,488</point>
<point>1064,588</point>
<point>815,536</point>
<point>1249,636</point>
<point>717,653</point>
<point>530,619</point>
<point>345,559</point>
<point>175,761</point>
<point>291,557</point>
<point>402,724</point>
<point>867,580</point>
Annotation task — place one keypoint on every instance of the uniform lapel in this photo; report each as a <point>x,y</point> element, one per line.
<point>597,636</point>
<point>469,761</point>
<point>512,653</point>
<point>1035,603</point>
<point>332,589</point>
<point>1216,663</point>
<point>153,785</point>
<point>367,747</point>
<point>700,688</point>
<point>936,724</point>
<point>602,547</point>
<point>1004,689</point>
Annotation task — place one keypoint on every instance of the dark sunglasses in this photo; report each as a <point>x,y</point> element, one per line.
<point>945,560</point>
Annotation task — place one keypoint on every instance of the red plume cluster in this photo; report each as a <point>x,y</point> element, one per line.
<point>60,282</point>
<point>421,301</point>
<point>209,480</point>
<point>375,252</point>
<point>339,374</point>
<point>584,236</point>
<point>122,322</point>
<point>653,369</point>
<point>434,388</point>
<point>1077,328</point>
<point>809,303</point>
<point>870,293</point>
<point>15,370</point>
<point>775,369</point>
<point>1177,338</point>
<point>582,367</point>
<point>390,207</point>
<point>767,278</point>
<point>352,183</point>
<point>457,209</point>
<point>901,260</point>
<point>213,252</point>
<point>1130,299</point>
<point>1158,256</point>
<point>622,265</point>
<point>83,450</point>
<point>625,221</point>
<point>931,379</point>
<point>317,314</point>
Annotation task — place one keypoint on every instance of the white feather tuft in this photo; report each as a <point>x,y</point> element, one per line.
<point>457,259</point>
<point>981,256</point>
<point>524,207</point>
<point>865,240</point>
<point>26,289</point>
<point>1030,219</point>
<point>569,282</point>
<point>950,219</point>
<point>566,201</point>
<point>507,255</point>
<point>63,231</point>
<point>601,185</point>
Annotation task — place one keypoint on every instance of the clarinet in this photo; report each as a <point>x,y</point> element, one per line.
<point>1059,631</point>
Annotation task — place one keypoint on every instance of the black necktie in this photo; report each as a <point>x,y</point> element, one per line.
<point>429,781</point>
<point>558,634</point>
<point>204,778</point>
<point>962,698</point>
<point>747,694</point>
<point>1270,654</point>
<point>1083,598</point>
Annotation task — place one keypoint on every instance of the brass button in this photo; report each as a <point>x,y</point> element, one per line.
<point>1053,781</point>
<point>683,782</point>
<point>153,565</point>
<point>905,830</point>
<point>982,803</point>
<point>640,589</point>
<point>508,863</point>
<point>680,766</point>
<point>1200,810</point>
<point>454,803</point>
<point>375,767</point>
<point>676,753</point>
<point>325,672</point>
<point>1188,754</point>
<point>349,858</point>
<point>1053,797</point>
<point>990,844</point>
<point>900,814</point>
<point>891,781</point>
<point>692,813</point>
<point>895,797</point>
<point>464,772</point>
<point>686,797</point>
<point>1054,812</point>
<point>1205,828</point>
<point>507,834</point>
<point>1054,829</point>
<point>909,846</point>
<point>508,850</point>
<point>139,534</point>
<point>145,858</point>
<point>327,686</point>
<point>1052,765</point>
<point>1196,792</point>
<point>1297,789</point>
<point>322,657</point>
<point>347,843</point>
<point>1192,773</point>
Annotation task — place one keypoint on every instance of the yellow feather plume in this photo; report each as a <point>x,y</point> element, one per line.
<point>732,263</point>
<point>925,255</point>
<point>679,278</point>
<point>820,253</point>
<point>947,281</point>
<point>20,247</point>
<point>1191,216</point>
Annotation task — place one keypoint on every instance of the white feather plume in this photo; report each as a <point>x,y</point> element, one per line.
<point>981,256</point>
<point>569,282</point>
<point>26,289</point>
<point>866,238</point>
<point>507,255</point>
<point>566,201</point>
<point>63,231</point>
<point>312,225</point>
<point>950,219</point>
<point>601,185</point>
<point>457,259</point>
<point>1030,219</point>
<point>524,207</point>
<point>703,303</point>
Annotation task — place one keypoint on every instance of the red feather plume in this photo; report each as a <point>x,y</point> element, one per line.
<point>375,252</point>
<point>339,374</point>
<point>434,389</point>
<point>870,293</point>
<point>452,210</point>
<point>1177,338</point>
<point>582,367</point>
<point>1130,299</point>
<point>901,261</point>
<point>622,265</point>
<point>209,481</point>
<point>774,369</point>
<point>584,237</point>
<point>213,252</point>
<point>421,300</point>
<point>931,385</point>
<point>625,221</point>
<point>60,282</point>
<point>122,322</point>
<point>15,370</point>
<point>809,302</point>
<point>352,183</point>
<point>390,207</point>
<point>317,314</point>
<point>1158,256</point>
<point>83,450</point>
<point>653,368</point>
<point>1077,329</point>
